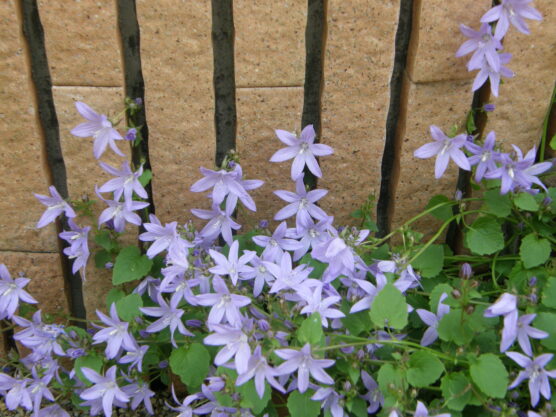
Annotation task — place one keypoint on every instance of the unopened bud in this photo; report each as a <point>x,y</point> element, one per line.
<point>347,386</point>
<point>470,309</point>
<point>456,294</point>
<point>465,271</point>
<point>532,281</point>
<point>489,107</point>
<point>263,224</point>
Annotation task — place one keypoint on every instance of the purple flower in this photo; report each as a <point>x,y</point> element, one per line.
<point>163,237</point>
<point>374,397</point>
<point>488,72</point>
<point>53,411</point>
<point>421,411</point>
<point>330,400</point>
<point>286,277</point>
<point>131,134</point>
<point>535,372</point>
<point>275,245</point>
<point>120,212</point>
<point>302,204</point>
<point>79,248</point>
<point>115,335</point>
<point>99,127</point>
<point>484,45</point>
<point>236,343</point>
<point>170,316</point>
<point>231,266</point>
<point>17,392</point>
<point>139,392</point>
<point>38,388</point>
<point>11,291</point>
<point>259,369</point>
<point>224,304</point>
<point>484,157</point>
<point>303,150</point>
<point>126,182</point>
<point>311,235</point>
<point>511,11</point>
<point>519,328</point>
<point>104,388</point>
<point>316,304</point>
<point>505,304</point>
<point>305,364</point>
<point>432,320</point>
<point>56,205</point>
<point>42,338</point>
<point>259,273</point>
<point>220,222</point>
<point>521,172</point>
<point>444,148</point>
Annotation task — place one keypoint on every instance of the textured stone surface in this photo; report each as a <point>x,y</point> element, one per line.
<point>22,169</point>
<point>82,42</point>
<point>260,112</point>
<point>436,38</point>
<point>96,287</point>
<point>270,42</point>
<point>358,67</point>
<point>179,100</point>
<point>45,272</point>
<point>443,104</point>
<point>523,100</point>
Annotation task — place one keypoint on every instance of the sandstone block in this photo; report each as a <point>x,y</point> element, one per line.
<point>443,104</point>
<point>82,42</point>
<point>524,99</point>
<point>260,112</point>
<point>270,42</point>
<point>436,38</point>
<point>179,100</point>
<point>23,170</point>
<point>358,68</point>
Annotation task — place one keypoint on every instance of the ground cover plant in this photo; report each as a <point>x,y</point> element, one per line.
<point>307,318</point>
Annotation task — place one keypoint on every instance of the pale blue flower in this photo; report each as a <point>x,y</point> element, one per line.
<point>104,388</point>
<point>535,372</point>
<point>11,292</point>
<point>511,12</point>
<point>56,205</point>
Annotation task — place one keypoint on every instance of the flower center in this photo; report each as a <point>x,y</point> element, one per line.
<point>304,147</point>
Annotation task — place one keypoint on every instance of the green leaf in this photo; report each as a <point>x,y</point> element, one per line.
<point>444,212</point>
<point>358,407</point>
<point>130,265</point>
<point>390,380</point>
<point>526,201</point>
<point>533,251</point>
<point>498,204</point>
<point>470,123</point>
<point>301,405</point>
<point>128,307</point>
<point>250,399</point>
<point>430,262</point>
<point>553,146</point>
<point>485,237</point>
<point>357,323</point>
<point>146,177</point>
<point>549,293</point>
<point>456,390</point>
<point>91,361</point>
<point>104,240</point>
<point>113,296</point>
<point>191,364</point>
<point>490,375</point>
<point>389,308</point>
<point>102,258</point>
<point>547,322</point>
<point>453,327</point>
<point>310,330</point>
<point>436,293</point>
<point>424,369</point>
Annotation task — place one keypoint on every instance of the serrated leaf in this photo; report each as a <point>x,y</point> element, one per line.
<point>389,308</point>
<point>456,389</point>
<point>357,323</point>
<point>310,330</point>
<point>498,204</point>
<point>191,364</point>
<point>301,405</point>
<point>490,375</point>
<point>128,307</point>
<point>390,379</point>
<point>430,262</point>
<point>424,369</point>
<point>444,212</point>
<point>250,398</point>
<point>526,201</point>
<point>452,328</point>
<point>484,236</point>
<point>534,251</point>
<point>549,293</point>
<point>130,265</point>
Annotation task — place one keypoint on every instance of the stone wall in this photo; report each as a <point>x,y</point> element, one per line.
<point>85,62</point>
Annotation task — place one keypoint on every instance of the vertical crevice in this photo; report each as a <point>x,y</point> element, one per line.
<point>315,42</point>
<point>394,119</point>
<point>225,117</point>
<point>40,75</point>
<point>128,26</point>
<point>548,130</point>
<point>454,235</point>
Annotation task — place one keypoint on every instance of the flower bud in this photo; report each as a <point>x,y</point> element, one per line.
<point>347,386</point>
<point>263,325</point>
<point>163,364</point>
<point>131,134</point>
<point>489,107</point>
<point>465,271</point>
<point>532,281</point>
<point>138,101</point>
<point>194,323</point>
<point>456,294</point>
